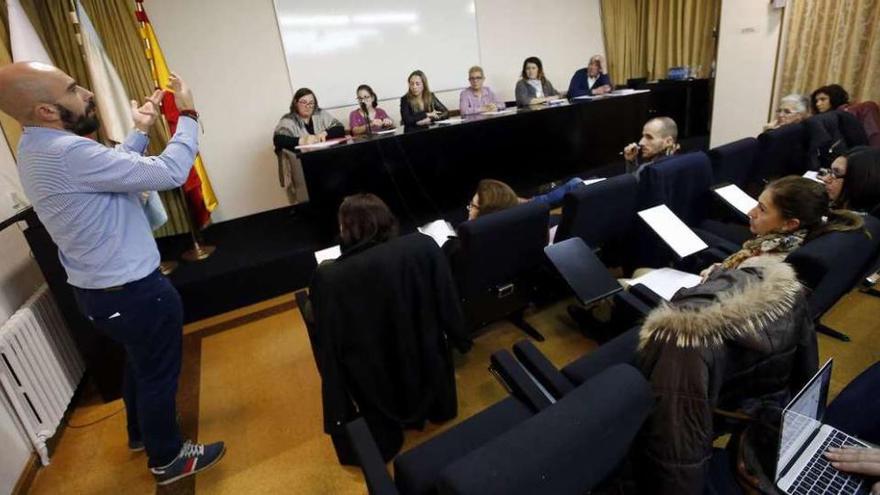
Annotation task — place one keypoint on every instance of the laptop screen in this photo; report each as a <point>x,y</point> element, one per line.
<point>802,417</point>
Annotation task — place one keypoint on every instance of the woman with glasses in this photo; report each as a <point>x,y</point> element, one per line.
<point>306,123</point>
<point>368,111</point>
<point>419,107</point>
<point>478,98</point>
<point>853,181</point>
<point>792,109</point>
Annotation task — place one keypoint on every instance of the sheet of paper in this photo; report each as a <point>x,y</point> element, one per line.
<point>329,142</point>
<point>450,121</point>
<point>667,281</point>
<point>331,253</point>
<point>737,198</point>
<point>672,230</point>
<point>552,236</point>
<point>813,175</point>
<point>386,131</point>
<point>583,97</point>
<point>506,111</point>
<point>439,230</point>
<point>594,180</point>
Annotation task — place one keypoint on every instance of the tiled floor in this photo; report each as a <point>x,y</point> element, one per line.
<point>250,379</point>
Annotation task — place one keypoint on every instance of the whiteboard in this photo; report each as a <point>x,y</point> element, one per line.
<point>333,48</point>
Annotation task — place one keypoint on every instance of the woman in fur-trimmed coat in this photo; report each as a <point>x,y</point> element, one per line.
<point>742,337</point>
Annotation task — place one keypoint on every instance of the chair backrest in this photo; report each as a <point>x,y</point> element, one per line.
<point>868,113</point>
<point>781,151</point>
<point>500,252</point>
<point>568,448</point>
<point>834,263</point>
<point>680,182</point>
<point>601,212</point>
<point>831,134</point>
<point>733,162</point>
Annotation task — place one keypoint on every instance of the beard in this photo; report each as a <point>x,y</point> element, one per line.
<point>82,125</point>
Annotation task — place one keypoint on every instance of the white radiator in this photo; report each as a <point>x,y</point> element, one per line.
<point>40,367</point>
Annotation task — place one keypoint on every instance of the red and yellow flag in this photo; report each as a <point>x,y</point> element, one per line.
<point>197,189</point>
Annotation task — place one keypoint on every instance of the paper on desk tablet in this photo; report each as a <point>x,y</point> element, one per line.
<point>450,121</point>
<point>737,198</point>
<point>329,142</point>
<point>812,175</point>
<point>501,112</point>
<point>439,230</point>
<point>587,182</point>
<point>672,230</point>
<point>666,281</point>
<point>331,253</point>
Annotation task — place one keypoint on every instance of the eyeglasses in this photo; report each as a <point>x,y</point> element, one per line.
<point>830,172</point>
<point>364,98</point>
<point>471,207</point>
<point>306,103</point>
<point>477,78</point>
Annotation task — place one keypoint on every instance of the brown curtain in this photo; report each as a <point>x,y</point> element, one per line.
<point>116,25</point>
<point>832,41</point>
<point>11,129</point>
<point>644,38</point>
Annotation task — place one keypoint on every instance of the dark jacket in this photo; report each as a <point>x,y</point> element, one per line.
<point>580,83</point>
<point>410,116</point>
<point>385,317</point>
<point>742,337</point>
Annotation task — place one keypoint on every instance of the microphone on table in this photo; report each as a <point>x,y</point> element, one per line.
<point>367,118</point>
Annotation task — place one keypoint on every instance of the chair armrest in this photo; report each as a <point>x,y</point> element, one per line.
<point>636,305</point>
<point>369,458</point>
<point>517,382</point>
<point>542,369</point>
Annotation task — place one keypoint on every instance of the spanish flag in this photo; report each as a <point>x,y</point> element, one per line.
<point>199,194</point>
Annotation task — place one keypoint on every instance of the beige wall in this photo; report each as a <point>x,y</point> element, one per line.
<point>233,58</point>
<point>19,278</point>
<point>749,36</point>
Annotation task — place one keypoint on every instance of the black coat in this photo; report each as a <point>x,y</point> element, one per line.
<point>385,316</point>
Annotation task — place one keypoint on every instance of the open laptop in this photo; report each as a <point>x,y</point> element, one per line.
<point>582,270</point>
<point>801,466</point>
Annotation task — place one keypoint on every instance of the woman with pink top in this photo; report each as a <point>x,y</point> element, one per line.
<point>478,98</point>
<point>368,111</point>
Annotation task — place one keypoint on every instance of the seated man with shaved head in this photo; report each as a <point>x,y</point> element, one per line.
<point>87,196</point>
<point>659,139</point>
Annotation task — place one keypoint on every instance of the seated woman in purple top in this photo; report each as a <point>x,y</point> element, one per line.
<point>368,111</point>
<point>478,98</point>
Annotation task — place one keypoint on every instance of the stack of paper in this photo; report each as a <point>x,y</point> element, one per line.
<point>450,121</point>
<point>331,253</point>
<point>667,281</point>
<point>501,112</point>
<point>672,230</point>
<point>439,230</point>
<point>737,198</point>
<point>329,142</point>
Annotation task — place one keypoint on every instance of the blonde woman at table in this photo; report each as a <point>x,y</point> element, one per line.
<point>419,107</point>
<point>478,98</point>
<point>534,88</point>
<point>368,111</point>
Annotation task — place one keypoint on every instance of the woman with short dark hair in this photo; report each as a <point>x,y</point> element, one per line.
<point>364,221</point>
<point>368,111</point>
<point>828,98</point>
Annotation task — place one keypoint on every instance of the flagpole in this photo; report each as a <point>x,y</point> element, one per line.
<point>199,251</point>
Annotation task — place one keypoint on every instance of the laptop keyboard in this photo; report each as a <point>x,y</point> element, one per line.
<point>819,476</point>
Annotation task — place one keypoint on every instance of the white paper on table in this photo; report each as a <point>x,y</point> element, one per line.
<point>501,112</point>
<point>439,230</point>
<point>813,175</point>
<point>331,253</point>
<point>587,182</point>
<point>386,131</point>
<point>667,281</point>
<point>556,101</point>
<point>672,230</point>
<point>450,121</point>
<point>329,142</point>
<point>737,198</point>
<point>583,97</point>
<point>552,235</point>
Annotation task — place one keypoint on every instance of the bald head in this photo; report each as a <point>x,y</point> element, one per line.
<point>664,127</point>
<point>26,85</point>
<point>659,137</point>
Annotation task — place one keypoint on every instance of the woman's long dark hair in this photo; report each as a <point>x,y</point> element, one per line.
<point>365,218</point>
<point>299,94</point>
<point>807,201</point>
<point>536,61</point>
<point>861,184</point>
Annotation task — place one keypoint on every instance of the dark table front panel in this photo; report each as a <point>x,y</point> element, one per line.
<point>425,172</point>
